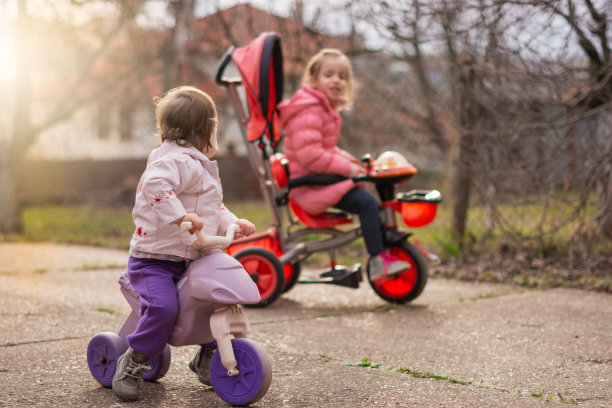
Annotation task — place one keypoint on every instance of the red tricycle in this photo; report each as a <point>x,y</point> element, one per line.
<point>274,258</point>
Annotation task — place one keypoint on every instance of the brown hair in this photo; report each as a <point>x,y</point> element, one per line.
<point>313,69</point>
<point>186,115</point>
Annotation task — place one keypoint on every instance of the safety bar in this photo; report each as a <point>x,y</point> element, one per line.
<point>325,180</point>
<point>315,180</point>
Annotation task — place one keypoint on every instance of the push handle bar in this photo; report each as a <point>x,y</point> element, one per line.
<point>207,242</point>
<point>225,60</point>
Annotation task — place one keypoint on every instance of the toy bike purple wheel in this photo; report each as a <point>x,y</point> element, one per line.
<point>159,366</point>
<point>103,351</point>
<point>255,374</point>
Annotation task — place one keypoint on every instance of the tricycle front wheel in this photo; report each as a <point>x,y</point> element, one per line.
<point>408,285</point>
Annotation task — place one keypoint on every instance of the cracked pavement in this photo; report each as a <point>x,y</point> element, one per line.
<point>460,344</point>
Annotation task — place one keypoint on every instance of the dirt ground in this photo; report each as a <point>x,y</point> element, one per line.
<point>523,270</point>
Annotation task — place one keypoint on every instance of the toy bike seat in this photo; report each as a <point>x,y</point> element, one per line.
<point>210,283</point>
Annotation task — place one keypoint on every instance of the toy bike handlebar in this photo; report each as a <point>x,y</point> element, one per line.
<point>207,242</point>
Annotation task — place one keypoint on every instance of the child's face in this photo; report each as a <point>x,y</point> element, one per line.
<point>212,150</point>
<point>332,78</point>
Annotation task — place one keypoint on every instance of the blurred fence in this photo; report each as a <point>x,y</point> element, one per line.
<point>550,222</point>
<point>113,182</point>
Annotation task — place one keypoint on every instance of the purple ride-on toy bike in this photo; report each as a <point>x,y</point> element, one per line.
<point>210,294</point>
<point>274,258</point>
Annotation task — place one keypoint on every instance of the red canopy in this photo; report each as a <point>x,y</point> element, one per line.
<point>261,66</point>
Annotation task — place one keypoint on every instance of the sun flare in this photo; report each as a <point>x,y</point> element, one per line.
<point>8,57</point>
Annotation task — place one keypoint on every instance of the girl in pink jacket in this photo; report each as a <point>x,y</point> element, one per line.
<point>180,183</point>
<point>312,128</point>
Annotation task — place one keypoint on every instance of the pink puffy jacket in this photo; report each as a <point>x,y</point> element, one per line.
<point>312,128</point>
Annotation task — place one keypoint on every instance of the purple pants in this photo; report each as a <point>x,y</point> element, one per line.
<point>155,281</point>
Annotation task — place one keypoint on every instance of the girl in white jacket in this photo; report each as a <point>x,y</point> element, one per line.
<point>180,183</point>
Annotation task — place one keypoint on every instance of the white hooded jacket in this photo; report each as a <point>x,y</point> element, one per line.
<point>177,180</point>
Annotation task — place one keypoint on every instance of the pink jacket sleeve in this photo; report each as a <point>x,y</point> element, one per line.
<point>226,219</point>
<point>347,155</point>
<point>161,184</point>
<point>308,139</point>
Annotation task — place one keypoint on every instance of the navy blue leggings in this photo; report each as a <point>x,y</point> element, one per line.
<point>359,201</point>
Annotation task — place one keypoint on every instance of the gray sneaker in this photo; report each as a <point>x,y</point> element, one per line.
<point>384,264</point>
<point>128,375</point>
<point>201,364</point>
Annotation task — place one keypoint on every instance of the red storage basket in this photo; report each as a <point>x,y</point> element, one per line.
<point>419,207</point>
<point>418,214</point>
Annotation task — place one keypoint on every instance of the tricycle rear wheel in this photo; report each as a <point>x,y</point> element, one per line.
<point>292,274</point>
<point>406,286</point>
<point>266,271</point>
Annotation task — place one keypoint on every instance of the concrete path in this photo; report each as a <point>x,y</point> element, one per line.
<point>458,345</point>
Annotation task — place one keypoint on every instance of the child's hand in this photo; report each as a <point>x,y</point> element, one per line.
<point>246,228</point>
<point>195,219</point>
<point>357,170</point>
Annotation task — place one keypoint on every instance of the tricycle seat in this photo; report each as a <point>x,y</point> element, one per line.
<point>327,219</point>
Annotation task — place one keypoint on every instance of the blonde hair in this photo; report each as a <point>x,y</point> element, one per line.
<point>186,115</point>
<point>313,69</point>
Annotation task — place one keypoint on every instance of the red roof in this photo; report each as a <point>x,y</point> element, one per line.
<point>125,71</point>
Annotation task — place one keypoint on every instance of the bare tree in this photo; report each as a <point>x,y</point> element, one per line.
<point>581,28</point>
<point>39,42</point>
<point>520,105</point>
<point>593,33</point>
<point>181,33</point>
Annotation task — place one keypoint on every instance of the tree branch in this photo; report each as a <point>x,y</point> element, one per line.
<point>600,28</point>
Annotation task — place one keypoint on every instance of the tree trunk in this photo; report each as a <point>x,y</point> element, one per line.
<point>10,213</point>
<point>604,181</point>
<point>15,147</point>
<point>605,204</point>
<point>174,52</point>
<point>461,186</point>
<point>468,114</point>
